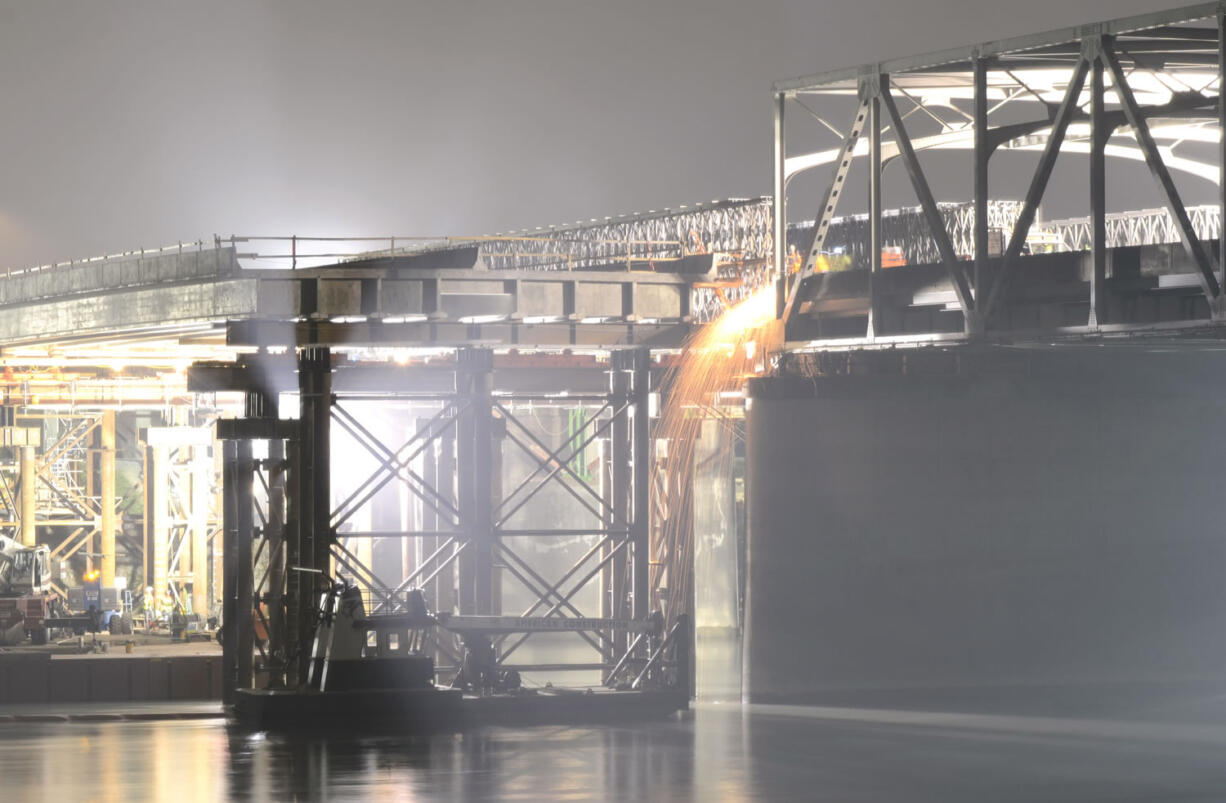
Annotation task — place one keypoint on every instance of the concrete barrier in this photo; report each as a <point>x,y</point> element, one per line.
<point>42,678</point>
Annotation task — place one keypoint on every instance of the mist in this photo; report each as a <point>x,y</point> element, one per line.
<point>138,124</point>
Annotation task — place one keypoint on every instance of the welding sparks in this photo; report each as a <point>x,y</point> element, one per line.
<point>714,365</point>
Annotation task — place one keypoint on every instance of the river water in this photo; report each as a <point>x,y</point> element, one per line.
<point>714,753</point>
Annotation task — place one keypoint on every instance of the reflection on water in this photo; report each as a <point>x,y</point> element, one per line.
<point>713,754</point>
<point>206,760</point>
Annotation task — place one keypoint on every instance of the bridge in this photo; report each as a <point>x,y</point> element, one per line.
<point>221,420</point>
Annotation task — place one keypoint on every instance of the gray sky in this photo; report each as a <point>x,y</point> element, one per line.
<point>132,123</point>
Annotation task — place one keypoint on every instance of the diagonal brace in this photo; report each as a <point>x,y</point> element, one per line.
<point>1038,184</point>
<point>1205,265</point>
<point>830,204</point>
<point>936,224</point>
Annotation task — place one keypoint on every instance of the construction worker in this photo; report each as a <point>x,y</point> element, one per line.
<point>794,262</point>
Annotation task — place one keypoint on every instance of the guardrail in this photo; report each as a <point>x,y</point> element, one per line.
<point>182,262</point>
<point>522,252</point>
<point>179,248</point>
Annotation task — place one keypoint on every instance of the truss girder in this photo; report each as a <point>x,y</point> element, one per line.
<point>1154,98</point>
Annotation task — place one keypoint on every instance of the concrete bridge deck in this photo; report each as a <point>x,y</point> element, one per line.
<point>441,298</point>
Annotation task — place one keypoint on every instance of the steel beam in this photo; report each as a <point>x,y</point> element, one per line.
<point>198,528</point>
<point>1099,134</point>
<point>980,190</point>
<point>779,208</point>
<point>640,525</point>
<point>429,522</point>
<point>475,449</point>
<point>315,416</point>
<point>936,224</point>
<point>244,621</point>
<point>107,499</point>
<point>297,583</point>
<point>874,211</point>
<point>445,573</point>
<point>1145,141</point>
<point>159,525</point>
<point>1221,126</point>
<point>826,210</point>
<point>1038,184</point>
<point>955,59</point>
<point>29,500</point>
<point>553,457</point>
<point>621,449</point>
<point>275,535</point>
<point>229,593</point>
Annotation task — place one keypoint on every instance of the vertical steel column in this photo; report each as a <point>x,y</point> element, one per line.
<point>498,435</point>
<point>321,456</point>
<point>474,453</point>
<point>640,389</point>
<point>779,208</point>
<point>465,488</point>
<point>982,154</point>
<point>243,621</point>
<point>608,574</point>
<point>313,496</point>
<point>229,587</point>
<point>874,208</point>
<point>429,517</point>
<point>198,529</point>
<point>274,533</point>
<point>448,446</point>
<point>1099,134</point>
<point>407,512</point>
<point>314,486</point>
<point>146,520</point>
<point>29,500</point>
<point>159,524</point>
<point>90,547</point>
<point>1221,127</point>
<point>621,452</point>
<point>217,565</point>
<point>297,583</point>
<point>106,498</point>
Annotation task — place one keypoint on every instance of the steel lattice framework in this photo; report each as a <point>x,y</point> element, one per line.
<point>1143,227</point>
<point>1145,88</point>
<point>284,537</point>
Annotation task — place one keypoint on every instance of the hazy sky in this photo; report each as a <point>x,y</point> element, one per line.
<point>131,124</point>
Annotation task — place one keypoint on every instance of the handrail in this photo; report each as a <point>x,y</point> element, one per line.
<point>197,245</point>
<point>540,251</point>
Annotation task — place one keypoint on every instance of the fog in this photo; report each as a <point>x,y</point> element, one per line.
<point>131,124</point>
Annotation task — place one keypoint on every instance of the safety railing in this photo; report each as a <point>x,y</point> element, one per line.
<point>179,248</point>
<point>500,252</point>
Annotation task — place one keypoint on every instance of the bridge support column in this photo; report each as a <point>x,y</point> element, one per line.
<point>159,525</point>
<point>229,583</point>
<point>475,460</point>
<point>275,537</point>
<point>314,500</point>
<point>243,621</point>
<point>621,481</point>
<point>106,500</point>
<point>640,389</point>
<point>29,504</point>
<point>198,528</point>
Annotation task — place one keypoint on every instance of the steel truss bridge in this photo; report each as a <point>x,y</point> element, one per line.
<point>474,416</point>
<point>1145,88</point>
<point>477,432</point>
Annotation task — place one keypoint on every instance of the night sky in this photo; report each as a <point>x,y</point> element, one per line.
<point>130,124</point>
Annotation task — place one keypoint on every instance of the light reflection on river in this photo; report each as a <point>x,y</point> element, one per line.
<point>714,754</point>
<point>206,760</point>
